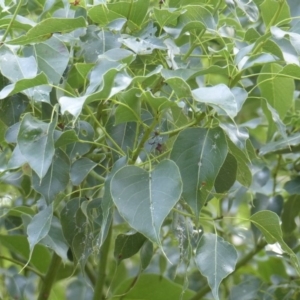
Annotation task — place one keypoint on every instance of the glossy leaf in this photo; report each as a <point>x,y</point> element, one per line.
<point>199,154</point>
<point>46,28</point>
<point>16,68</point>
<point>22,85</point>
<point>36,143</point>
<point>216,259</point>
<point>150,196</point>
<point>219,97</point>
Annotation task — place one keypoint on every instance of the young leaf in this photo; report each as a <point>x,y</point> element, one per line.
<point>144,199</point>
<point>46,28</point>
<point>216,259</point>
<point>268,223</point>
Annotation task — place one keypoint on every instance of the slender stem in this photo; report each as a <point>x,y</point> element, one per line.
<point>103,258</point>
<point>146,136</point>
<point>50,277</point>
<point>11,21</point>
<point>276,15</point>
<point>22,264</point>
<point>243,261</point>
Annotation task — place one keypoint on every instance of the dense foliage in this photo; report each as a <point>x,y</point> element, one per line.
<point>149,150</point>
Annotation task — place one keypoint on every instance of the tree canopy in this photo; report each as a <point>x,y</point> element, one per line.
<point>149,149</point>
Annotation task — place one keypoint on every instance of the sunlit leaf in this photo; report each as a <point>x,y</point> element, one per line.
<point>268,223</point>
<point>46,28</point>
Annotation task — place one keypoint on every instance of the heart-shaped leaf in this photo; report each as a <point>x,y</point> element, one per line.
<point>215,259</point>
<point>144,199</point>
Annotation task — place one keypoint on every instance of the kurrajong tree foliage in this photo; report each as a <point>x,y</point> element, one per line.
<point>149,150</point>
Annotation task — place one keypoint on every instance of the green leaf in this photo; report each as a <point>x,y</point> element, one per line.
<point>39,227</point>
<point>220,97</point>
<point>18,244</point>
<point>227,174</point>
<point>152,286</point>
<point>199,154</point>
<point>11,109</point>
<point>46,28</point>
<point>129,108</point>
<point>67,137</point>
<point>16,68</point>
<point>291,210</point>
<point>23,84</point>
<point>85,132</point>
<point>145,42</point>
<point>52,57</point>
<point>194,17</point>
<point>146,254</point>
<point>166,16</point>
<point>144,199</point>
<point>56,178</point>
<point>80,169</point>
<point>290,144</point>
<point>180,87</point>
<point>244,175</point>
<point>278,91</point>
<point>134,11</point>
<point>246,290</point>
<point>216,259</point>
<point>36,143</point>
<point>107,205</point>
<point>157,103</point>
<point>55,239</point>
<point>293,186</point>
<point>269,224</point>
<point>269,9</point>
<point>126,245</point>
